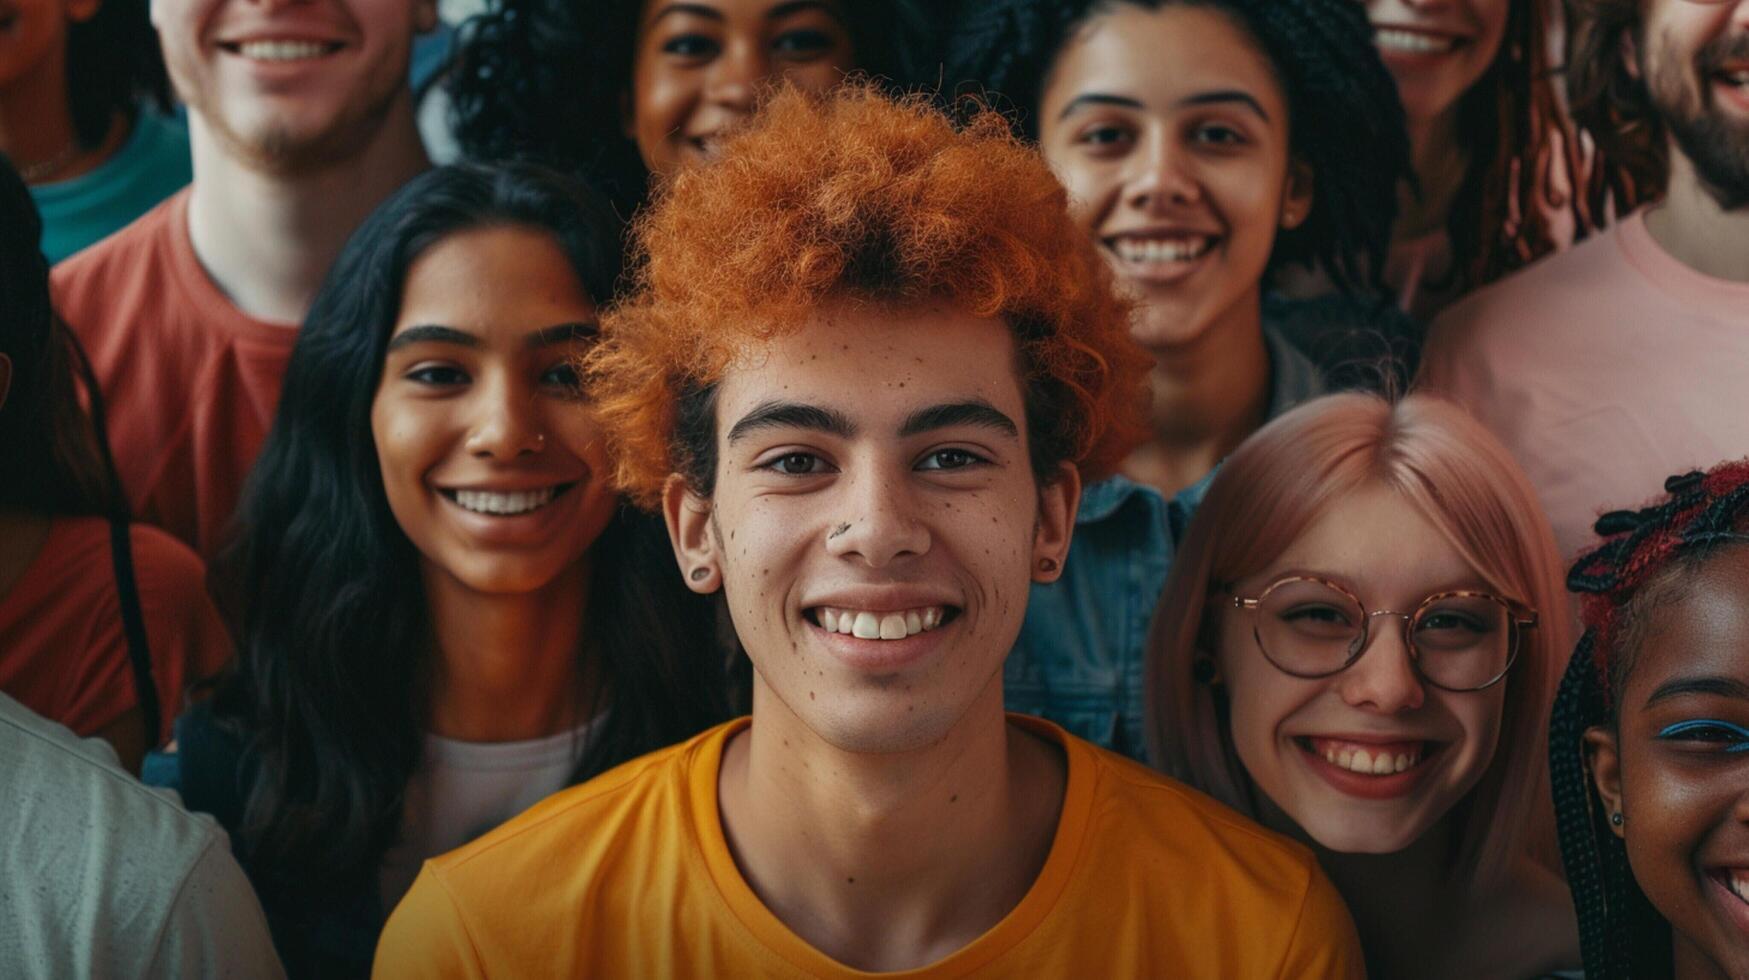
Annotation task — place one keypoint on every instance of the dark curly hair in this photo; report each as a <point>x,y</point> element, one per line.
<point>547,80</point>
<point>114,66</point>
<point>1642,565</point>
<point>1611,104</point>
<point>1344,114</point>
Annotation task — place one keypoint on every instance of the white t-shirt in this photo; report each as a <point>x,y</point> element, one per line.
<point>102,877</point>
<point>463,789</point>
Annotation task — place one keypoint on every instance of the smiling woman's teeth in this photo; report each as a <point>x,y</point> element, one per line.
<point>1737,880</point>
<point>1376,760</point>
<point>1162,249</point>
<point>488,502</point>
<point>1412,41</point>
<point>281,50</point>
<point>880,626</point>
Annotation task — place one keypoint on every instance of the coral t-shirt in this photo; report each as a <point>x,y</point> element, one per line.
<point>63,648</point>
<point>1604,369</point>
<point>629,875</point>
<point>190,382</point>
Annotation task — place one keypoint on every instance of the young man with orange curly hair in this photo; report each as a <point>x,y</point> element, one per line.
<point>867,367</point>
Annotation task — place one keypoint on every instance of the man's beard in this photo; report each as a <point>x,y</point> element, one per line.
<point>1716,145</point>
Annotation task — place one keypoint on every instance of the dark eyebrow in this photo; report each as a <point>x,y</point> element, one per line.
<point>1226,95</point>
<point>1727,687</point>
<point>427,333</point>
<point>783,10</point>
<point>1098,98</point>
<point>697,9</point>
<point>792,415</point>
<point>562,333</point>
<point>975,412</point>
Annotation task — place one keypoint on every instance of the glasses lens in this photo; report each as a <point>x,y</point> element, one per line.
<point>1463,641</point>
<point>1308,628</point>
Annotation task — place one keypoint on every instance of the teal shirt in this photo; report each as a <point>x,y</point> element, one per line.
<point>152,165</point>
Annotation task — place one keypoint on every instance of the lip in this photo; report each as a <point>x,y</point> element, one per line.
<point>532,528</point>
<point>1729,94</point>
<point>1392,54</point>
<point>1366,787</point>
<point>1720,894</point>
<point>1161,272</point>
<point>878,658</point>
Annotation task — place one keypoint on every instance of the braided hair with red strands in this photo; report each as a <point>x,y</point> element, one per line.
<point>1620,933</point>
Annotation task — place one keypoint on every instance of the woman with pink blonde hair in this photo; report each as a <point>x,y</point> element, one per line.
<point>1358,646</point>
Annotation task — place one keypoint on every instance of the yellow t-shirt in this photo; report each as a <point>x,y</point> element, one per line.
<point>628,875</point>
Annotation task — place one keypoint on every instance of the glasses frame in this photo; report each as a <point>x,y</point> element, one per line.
<point>1519,617</point>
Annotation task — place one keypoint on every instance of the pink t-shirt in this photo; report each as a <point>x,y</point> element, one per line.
<point>1604,369</point>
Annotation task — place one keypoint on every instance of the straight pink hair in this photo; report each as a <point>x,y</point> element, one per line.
<point>1457,475</point>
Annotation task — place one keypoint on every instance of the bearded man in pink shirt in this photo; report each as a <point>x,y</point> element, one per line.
<point>1609,366</point>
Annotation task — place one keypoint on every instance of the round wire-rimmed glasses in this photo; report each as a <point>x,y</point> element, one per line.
<point>1462,640</point>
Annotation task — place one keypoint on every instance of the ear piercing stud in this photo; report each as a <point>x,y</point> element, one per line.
<point>700,574</point>
<point>1617,819</point>
<point>1047,564</point>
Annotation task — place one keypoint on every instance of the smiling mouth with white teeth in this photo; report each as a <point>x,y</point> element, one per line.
<point>1735,880</point>
<point>1367,759</point>
<point>897,625</point>
<point>1413,42</point>
<point>513,503</point>
<point>1162,250</point>
<point>281,50</point>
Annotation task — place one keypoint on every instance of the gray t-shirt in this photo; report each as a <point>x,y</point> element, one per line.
<point>103,877</point>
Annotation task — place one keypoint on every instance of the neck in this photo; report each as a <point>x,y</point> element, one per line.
<point>1690,962</point>
<point>36,125</point>
<point>910,855</point>
<point>506,668</point>
<point>1696,230</point>
<point>267,238</point>
<point>1439,161</point>
<point>1401,902</point>
<point>1208,395</point>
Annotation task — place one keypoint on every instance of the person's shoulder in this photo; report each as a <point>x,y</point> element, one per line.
<point>1579,275</point>
<point>151,235</point>
<point>164,566</point>
<point>586,822</point>
<point>1153,811</point>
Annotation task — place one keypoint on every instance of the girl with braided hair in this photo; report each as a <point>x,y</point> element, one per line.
<point>1203,144</point>
<point>619,90</point>
<point>1357,648</point>
<point>1649,739</point>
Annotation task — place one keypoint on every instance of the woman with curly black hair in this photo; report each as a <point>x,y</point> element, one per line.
<point>623,89</point>
<point>84,116</point>
<point>1204,144</point>
<point>1649,739</point>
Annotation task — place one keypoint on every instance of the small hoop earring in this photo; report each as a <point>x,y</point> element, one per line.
<point>700,574</point>
<point>1617,819</point>
<point>1047,564</point>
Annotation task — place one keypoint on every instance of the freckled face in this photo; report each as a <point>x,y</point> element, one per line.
<point>1286,728</point>
<point>1683,773</point>
<point>876,521</point>
<point>701,64</point>
<point>1437,51</point>
<point>1171,134</point>
<point>492,465</point>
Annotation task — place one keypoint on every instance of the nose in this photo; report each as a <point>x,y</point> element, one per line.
<point>507,423</point>
<point>879,524</point>
<point>1384,678</point>
<point>1161,176</point>
<point>734,78</point>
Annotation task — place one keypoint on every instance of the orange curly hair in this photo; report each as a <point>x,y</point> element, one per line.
<point>855,195</point>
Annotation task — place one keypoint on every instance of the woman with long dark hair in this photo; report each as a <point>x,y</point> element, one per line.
<point>623,89</point>
<point>100,623</point>
<point>443,612</point>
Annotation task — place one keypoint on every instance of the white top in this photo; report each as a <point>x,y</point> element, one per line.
<point>463,789</point>
<point>102,877</point>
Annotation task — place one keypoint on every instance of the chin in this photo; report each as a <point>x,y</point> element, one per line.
<point>898,725</point>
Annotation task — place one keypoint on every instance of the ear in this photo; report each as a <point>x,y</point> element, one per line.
<point>1296,203</point>
<point>80,11</point>
<point>5,378</point>
<point>425,19</point>
<point>1605,764</point>
<point>1058,501</point>
<point>1629,49</point>
<point>689,530</point>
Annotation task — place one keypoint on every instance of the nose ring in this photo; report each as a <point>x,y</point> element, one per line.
<point>540,440</point>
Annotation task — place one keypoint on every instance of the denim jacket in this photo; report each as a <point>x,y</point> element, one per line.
<point>1080,655</point>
